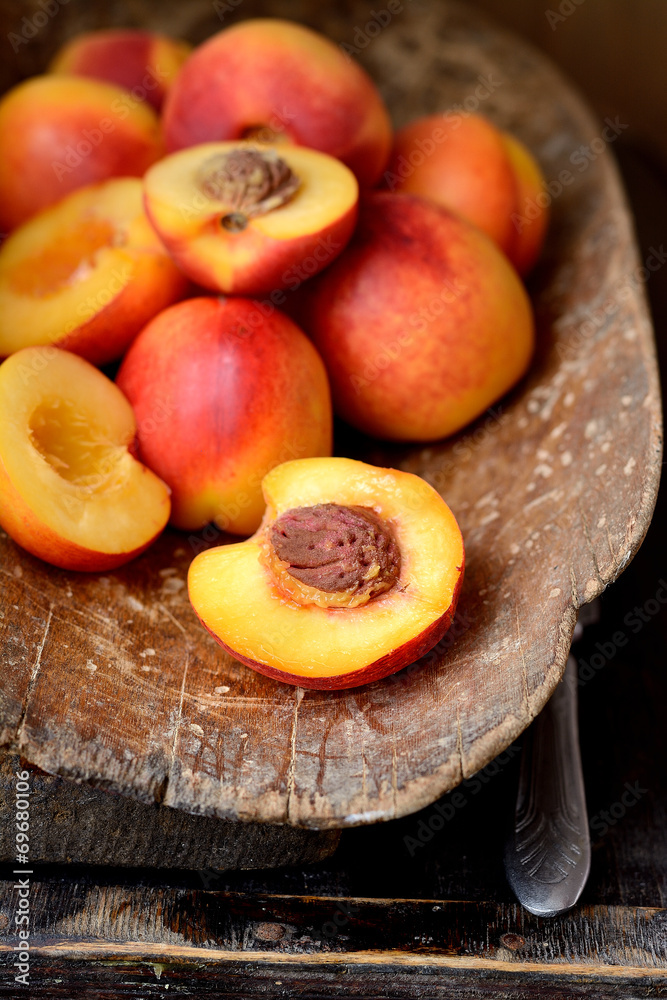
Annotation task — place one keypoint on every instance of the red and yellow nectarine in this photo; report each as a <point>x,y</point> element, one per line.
<point>422,322</point>
<point>71,492</point>
<point>354,573</point>
<point>238,388</point>
<point>247,220</point>
<point>58,133</point>
<point>269,77</point>
<point>470,167</point>
<point>143,62</point>
<point>86,274</point>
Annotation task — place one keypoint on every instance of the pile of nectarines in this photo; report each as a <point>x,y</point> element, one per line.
<point>207,219</point>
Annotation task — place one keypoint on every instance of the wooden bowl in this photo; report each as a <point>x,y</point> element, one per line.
<point>110,680</point>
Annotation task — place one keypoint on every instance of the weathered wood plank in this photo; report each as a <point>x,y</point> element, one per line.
<point>71,916</point>
<point>77,824</point>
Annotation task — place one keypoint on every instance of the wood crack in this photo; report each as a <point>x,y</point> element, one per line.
<point>298,698</point>
<point>591,549</point>
<point>161,789</point>
<point>33,679</point>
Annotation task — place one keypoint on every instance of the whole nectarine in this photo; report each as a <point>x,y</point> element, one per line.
<point>144,62</point>
<point>239,388</point>
<point>266,77</point>
<point>422,322</point>
<point>58,133</point>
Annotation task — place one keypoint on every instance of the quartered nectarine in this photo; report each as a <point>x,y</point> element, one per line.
<point>86,274</point>
<point>71,492</point>
<point>354,573</point>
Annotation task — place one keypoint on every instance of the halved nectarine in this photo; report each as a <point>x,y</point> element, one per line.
<point>86,274</point>
<point>246,219</point>
<point>70,490</point>
<point>354,573</point>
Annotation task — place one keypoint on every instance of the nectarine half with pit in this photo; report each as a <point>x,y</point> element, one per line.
<point>246,219</point>
<point>269,78</point>
<point>58,133</point>
<point>86,274</point>
<point>354,573</point>
<point>71,492</point>
<point>422,323</point>
<point>224,390</point>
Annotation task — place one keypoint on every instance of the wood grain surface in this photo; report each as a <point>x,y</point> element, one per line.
<point>110,680</point>
<point>137,941</point>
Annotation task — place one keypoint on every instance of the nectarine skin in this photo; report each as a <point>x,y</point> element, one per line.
<point>223,390</point>
<point>422,322</point>
<point>143,62</point>
<point>58,133</point>
<point>460,163</point>
<point>280,76</point>
<point>531,216</point>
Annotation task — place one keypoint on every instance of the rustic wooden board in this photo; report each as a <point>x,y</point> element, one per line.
<point>76,824</point>
<point>139,941</point>
<point>111,681</point>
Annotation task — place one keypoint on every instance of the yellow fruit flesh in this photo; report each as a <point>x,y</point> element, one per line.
<point>234,595</point>
<point>69,262</point>
<point>64,436</point>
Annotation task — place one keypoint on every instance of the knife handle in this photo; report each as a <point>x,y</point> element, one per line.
<point>547,856</point>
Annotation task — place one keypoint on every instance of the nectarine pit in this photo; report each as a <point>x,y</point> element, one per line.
<point>251,181</point>
<point>335,548</point>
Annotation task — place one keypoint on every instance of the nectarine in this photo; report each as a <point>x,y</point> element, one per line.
<point>239,389</point>
<point>143,62</point>
<point>86,274</point>
<point>354,573</point>
<point>272,77</point>
<point>422,322</point>
<point>58,133</point>
<point>71,492</point>
<point>246,220</point>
